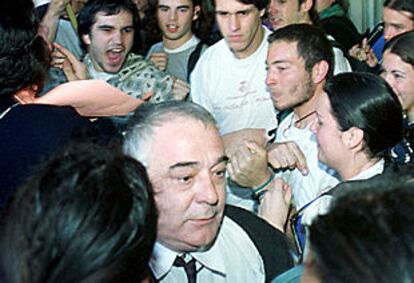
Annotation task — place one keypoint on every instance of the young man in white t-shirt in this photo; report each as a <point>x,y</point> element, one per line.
<point>229,81</point>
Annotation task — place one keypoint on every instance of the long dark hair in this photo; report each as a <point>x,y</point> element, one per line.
<point>367,102</point>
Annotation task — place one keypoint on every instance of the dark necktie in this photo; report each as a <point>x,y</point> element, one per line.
<point>189,268</point>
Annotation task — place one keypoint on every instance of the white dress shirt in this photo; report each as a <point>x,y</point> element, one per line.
<point>232,258</point>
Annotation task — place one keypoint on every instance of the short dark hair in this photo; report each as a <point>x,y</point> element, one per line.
<point>402,46</point>
<point>365,228</point>
<point>367,102</point>
<point>259,4</point>
<point>24,55</point>
<point>87,15</point>
<point>312,44</point>
<point>401,5</point>
<point>87,216</point>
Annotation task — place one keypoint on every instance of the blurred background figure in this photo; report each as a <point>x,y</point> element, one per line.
<point>87,216</point>
<point>398,71</point>
<point>334,19</point>
<point>398,17</point>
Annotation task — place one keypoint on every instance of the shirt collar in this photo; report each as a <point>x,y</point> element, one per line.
<point>162,258</point>
<point>375,169</point>
<point>193,41</point>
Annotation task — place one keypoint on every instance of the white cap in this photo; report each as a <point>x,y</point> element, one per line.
<point>40,2</point>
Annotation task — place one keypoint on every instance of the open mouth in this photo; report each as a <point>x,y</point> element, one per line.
<point>115,55</point>
<point>276,22</point>
<point>172,28</point>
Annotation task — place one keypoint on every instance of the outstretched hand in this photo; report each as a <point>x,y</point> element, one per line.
<point>71,66</point>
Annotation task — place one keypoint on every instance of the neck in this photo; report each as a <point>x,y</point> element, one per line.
<point>410,115</point>
<point>176,43</point>
<point>254,45</point>
<point>307,19</point>
<point>307,107</point>
<point>358,163</point>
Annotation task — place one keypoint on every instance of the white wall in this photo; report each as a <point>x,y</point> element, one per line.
<point>365,13</point>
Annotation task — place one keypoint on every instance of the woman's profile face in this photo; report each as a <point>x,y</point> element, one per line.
<point>400,75</point>
<point>331,148</point>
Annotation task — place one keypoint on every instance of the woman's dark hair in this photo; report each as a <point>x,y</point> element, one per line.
<point>368,235</point>
<point>367,102</point>
<point>87,216</point>
<point>401,5</point>
<point>402,46</point>
<point>87,15</point>
<point>24,55</point>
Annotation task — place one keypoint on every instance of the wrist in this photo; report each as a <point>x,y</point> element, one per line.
<point>260,190</point>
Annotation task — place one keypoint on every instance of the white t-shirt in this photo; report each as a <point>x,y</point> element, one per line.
<point>233,90</point>
<point>320,177</point>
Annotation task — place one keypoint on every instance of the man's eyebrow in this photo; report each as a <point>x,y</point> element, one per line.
<point>247,10</point>
<point>220,160</point>
<point>183,165</point>
<point>105,26</point>
<point>278,62</point>
<point>183,6</point>
<point>195,163</point>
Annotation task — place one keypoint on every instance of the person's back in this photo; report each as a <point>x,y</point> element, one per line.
<point>29,132</point>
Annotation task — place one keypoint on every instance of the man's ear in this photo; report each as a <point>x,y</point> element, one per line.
<point>306,6</point>
<point>320,71</point>
<point>262,12</point>
<point>353,138</point>
<point>196,14</point>
<point>26,95</point>
<point>86,39</point>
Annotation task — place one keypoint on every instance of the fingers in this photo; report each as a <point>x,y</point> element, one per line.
<point>71,66</point>
<point>72,58</point>
<point>57,59</point>
<point>248,165</point>
<point>147,96</point>
<point>159,60</point>
<point>180,89</point>
<point>372,59</point>
<point>287,156</point>
<point>275,205</point>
